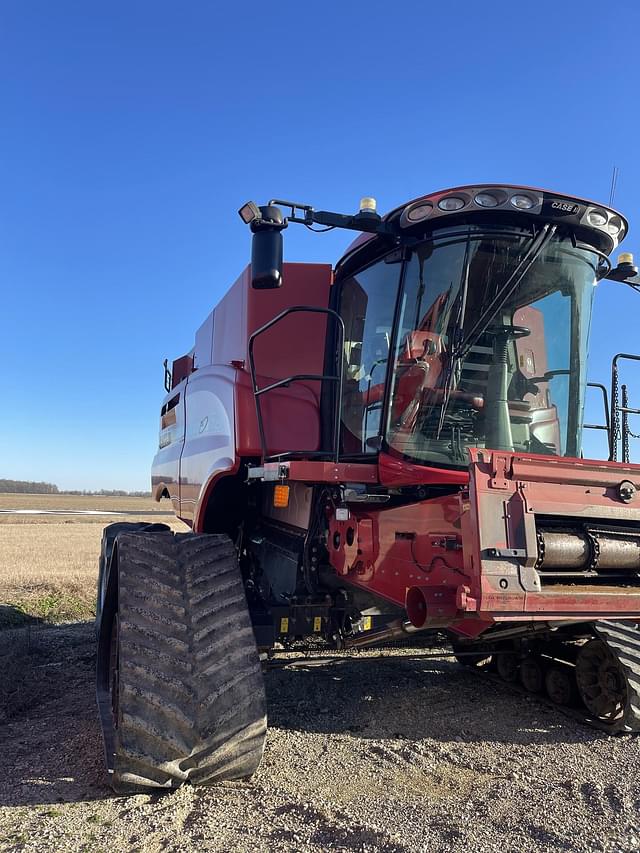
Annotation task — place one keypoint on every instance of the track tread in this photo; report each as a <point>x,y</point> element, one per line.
<point>192,705</point>
<point>623,640</point>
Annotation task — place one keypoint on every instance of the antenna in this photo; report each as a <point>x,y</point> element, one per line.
<point>614,184</point>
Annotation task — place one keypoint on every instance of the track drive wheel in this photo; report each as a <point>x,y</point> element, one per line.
<point>601,682</point>
<point>183,698</point>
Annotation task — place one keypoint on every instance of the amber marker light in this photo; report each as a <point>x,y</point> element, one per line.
<point>368,205</point>
<point>280,496</point>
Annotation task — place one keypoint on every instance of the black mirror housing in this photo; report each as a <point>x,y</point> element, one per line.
<point>266,259</point>
<point>266,249</point>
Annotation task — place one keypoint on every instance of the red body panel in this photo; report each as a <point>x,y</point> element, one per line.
<point>477,549</point>
<point>217,423</point>
<point>396,472</point>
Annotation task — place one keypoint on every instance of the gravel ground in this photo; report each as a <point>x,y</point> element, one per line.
<point>397,754</point>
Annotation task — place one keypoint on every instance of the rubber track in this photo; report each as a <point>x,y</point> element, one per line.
<point>109,536</point>
<point>182,608</point>
<point>623,640</point>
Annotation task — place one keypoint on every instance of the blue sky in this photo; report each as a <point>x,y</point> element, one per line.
<point>132,132</point>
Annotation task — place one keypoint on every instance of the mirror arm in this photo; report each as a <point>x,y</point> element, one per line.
<point>367,221</point>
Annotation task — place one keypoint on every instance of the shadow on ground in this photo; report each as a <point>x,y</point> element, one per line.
<point>51,744</point>
<point>52,747</point>
<point>409,696</point>
<point>14,617</point>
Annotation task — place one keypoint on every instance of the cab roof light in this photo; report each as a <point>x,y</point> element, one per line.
<point>451,202</point>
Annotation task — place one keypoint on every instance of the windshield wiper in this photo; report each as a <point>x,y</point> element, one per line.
<point>538,245</point>
<point>461,345</point>
<point>452,372</point>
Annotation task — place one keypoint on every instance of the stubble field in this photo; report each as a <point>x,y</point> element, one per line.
<point>366,752</point>
<point>48,561</point>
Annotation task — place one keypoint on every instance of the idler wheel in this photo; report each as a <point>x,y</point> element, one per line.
<point>560,684</point>
<point>532,674</point>
<point>507,666</point>
<point>601,682</point>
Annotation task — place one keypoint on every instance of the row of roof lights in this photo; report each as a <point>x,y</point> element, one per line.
<point>454,202</point>
<point>597,217</point>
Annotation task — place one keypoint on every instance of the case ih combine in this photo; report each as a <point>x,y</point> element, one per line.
<point>388,447</point>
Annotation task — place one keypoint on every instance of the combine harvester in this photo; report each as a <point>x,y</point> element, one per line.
<point>388,447</point>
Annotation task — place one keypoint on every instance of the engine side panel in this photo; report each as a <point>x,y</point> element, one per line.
<point>208,422</point>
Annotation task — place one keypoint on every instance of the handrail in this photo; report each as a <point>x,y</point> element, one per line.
<point>298,377</point>
<point>607,415</point>
<point>617,409</point>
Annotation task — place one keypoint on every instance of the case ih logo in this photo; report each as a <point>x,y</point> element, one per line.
<point>568,207</point>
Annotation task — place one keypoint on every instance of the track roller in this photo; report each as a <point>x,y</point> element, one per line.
<point>507,664</point>
<point>180,686</point>
<point>532,674</point>
<point>560,684</point>
<point>591,672</point>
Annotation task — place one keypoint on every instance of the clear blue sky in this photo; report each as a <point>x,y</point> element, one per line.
<point>132,132</point>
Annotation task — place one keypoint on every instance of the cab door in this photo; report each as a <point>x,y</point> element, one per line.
<point>366,304</point>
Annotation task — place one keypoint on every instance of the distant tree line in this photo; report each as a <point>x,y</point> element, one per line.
<point>107,493</point>
<point>28,487</point>
<point>24,487</point>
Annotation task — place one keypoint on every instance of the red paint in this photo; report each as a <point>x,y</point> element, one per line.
<point>445,543</point>
<point>395,471</point>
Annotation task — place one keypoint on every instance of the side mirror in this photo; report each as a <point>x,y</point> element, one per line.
<point>266,248</point>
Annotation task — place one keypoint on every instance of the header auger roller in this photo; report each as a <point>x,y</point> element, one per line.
<point>377,449</point>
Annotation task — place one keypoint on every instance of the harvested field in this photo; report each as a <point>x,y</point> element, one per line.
<point>398,752</point>
<point>48,563</point>
<point>51,509</point>
<point>80,502</point>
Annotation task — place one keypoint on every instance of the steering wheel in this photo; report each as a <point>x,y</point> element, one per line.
<point>510,333</point>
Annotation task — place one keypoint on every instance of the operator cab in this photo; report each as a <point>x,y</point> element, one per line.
<point>475,332</point>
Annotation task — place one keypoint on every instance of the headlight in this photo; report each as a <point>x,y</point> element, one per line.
<point>597,218</point>
<point>522,202</point>
<point>614,226</point>
<point>421,211</point>
<point>486,200</point>
<point>452,202</point>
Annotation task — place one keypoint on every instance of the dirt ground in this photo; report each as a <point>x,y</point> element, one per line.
<point>397,753</point>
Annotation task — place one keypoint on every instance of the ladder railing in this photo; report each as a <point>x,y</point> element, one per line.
<point>336,378</point>
<point>620,431</point>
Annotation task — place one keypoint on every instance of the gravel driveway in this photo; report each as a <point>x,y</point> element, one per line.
<point>395,754</point>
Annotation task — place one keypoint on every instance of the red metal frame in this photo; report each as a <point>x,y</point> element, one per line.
<point>472,554</point>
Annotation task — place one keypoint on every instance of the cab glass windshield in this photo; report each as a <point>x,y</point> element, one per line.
<point>426,379</point>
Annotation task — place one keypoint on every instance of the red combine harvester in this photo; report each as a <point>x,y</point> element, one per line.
<point>388,447</point>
